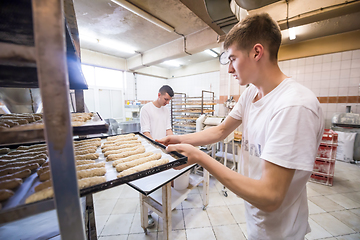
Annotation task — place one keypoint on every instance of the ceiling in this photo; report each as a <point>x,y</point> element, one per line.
<point>104,20</point>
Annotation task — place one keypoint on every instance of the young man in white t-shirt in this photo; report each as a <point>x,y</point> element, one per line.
<point>155,122</point>
<point>282,127</point>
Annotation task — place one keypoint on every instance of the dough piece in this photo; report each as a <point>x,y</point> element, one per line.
<point>4,150</point>
<point>143,167</point>
<point>5,194</point>
<point>89,166</point>
<point>82,162</point>
<point>43,185</point>
<point>45,176</point>
<point>21,174</point>
<point>88,144</point>
<point>119,143</point>
<point>82,183</point>
<point>30,147</point>
<point>84,152</point>
<point>118,147</point>
<point>41,195</point>
<point>23,159</point>
<point>28,154</point>
<point>91,156</point>
<point>113,157</point>
<point>123,166</point>
<point>91,172</point>
<point>22,151</point>
<point>42,170</point>
<point>90,181</point>
<point>19,164</point>
<point>122,150</point>
<point>12,170</point>
<point>131,158</point>
<point>90,148</point>
<point>120,136</point>
<point>10,183</point>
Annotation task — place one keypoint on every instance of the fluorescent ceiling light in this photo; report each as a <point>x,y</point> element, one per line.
<point>132,8</point>
<point>172,63</point>
<point>115,45</point>
<point>292,34</point>
<point>211,52</point>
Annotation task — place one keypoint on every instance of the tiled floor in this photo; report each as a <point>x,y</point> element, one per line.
<point>334,212</point>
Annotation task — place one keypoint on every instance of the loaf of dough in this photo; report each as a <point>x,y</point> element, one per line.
<point>84,152</point>
<point>23,159</point>
<point>12,170</point>
<point>21,151</point>
<point>45,176</point>
<point>133,148</point>
<point>120,136</point>
<point>133,157</point>
<point>119,143</point>
<point>41,195</point>
<point>125,139</point>
<point>10,183</point>
<point>27,154</point>
<point>21,174</point>
<point>19,164</point>
<point>91,172</point>
<point>142,167</point>
<point>91,165</point>
<point>89,148</point>
<point>32,146</point>
<point>5,194</point>
<point>90,181</point>
<point>91,156</point>
<point>82,183</point>
<point>123,166</point>
<point>82,162</point>
<point>4,150</point>
<point>122,146</point>
<point>113,157</point>
<point>43,185</point>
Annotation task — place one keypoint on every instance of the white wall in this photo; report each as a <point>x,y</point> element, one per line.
<point>329,75</point>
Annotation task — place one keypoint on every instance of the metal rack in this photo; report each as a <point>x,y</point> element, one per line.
<point>40,49</point>
<point>186,110</point>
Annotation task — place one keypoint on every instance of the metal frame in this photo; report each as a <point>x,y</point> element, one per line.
<point>50,47</point>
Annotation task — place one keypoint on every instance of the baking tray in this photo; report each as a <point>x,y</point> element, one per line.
<point>35,135</point>
<point>14,208</point>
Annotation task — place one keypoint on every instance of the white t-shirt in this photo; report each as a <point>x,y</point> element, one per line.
<point>155,120</point>
<point>284,127</point>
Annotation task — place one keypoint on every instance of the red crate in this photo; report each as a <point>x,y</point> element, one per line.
<point>329,137</point>
<point>322,178</point>
<point>324,166</point>
<point>327,151</point>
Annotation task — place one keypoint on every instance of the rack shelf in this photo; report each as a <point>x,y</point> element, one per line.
<point>186,110</point>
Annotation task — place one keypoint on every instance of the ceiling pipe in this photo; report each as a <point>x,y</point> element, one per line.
<point>141,13</point>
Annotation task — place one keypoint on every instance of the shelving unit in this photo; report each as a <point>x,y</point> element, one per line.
<point>186,110</point>
<point>324,167</point>
<point>39,50</point>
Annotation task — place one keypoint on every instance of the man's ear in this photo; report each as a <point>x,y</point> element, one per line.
<point>159,94</point>
<point>258,51</point>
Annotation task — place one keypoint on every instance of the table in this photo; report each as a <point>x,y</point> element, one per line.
<point>156,193</point>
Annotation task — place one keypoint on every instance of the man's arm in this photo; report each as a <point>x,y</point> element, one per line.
<point>207,136</point>
<point>147,134</point>
<point>169,132</point>
<point>267,193</point>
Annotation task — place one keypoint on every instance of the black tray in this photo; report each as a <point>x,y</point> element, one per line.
<point>36,135</point>
<point>22,210</point>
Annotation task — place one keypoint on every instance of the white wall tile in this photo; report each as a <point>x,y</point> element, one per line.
<point>326,67</point>
<point>301,62</point>
<point>356,54</point>
<point>344,73</point>
<point>355,73</point>
<point>333,91</point>
<point>345,64</point>
<point>343,91</point>
<point>326,58</point>
<point>309,61</point>
<point>346,55</point>
<point>336,57</point>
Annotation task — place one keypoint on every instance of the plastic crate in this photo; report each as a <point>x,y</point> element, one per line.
<point>329,137</point>
<point>327,151</point>
<point>322,179</point>
<point>324,166</point>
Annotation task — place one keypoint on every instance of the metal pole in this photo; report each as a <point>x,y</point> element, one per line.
<point>51,63</point>
<point>79,100</point>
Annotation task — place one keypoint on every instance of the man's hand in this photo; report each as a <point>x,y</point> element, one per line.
<point>192,153</point>
<point>171,139</point>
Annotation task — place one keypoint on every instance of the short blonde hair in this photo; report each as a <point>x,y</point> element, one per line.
<point>258,28</point>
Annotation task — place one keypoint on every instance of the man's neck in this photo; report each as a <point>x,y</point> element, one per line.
<point>268,80</point>
<point>157,104</point>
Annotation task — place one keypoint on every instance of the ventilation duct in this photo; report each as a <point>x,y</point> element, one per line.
<point>221,14</point>
<point>254,4</point>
